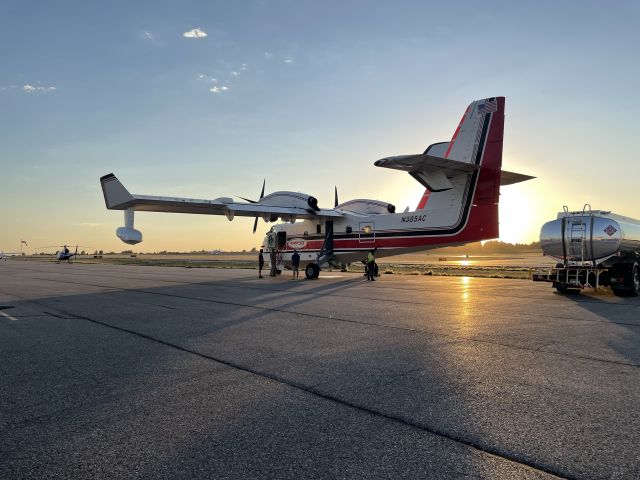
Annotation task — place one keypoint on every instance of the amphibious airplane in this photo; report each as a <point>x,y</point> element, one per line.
<point>462,178</point>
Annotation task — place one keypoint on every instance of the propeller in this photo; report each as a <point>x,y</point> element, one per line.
<point>336,197</point>
<point>255,222</point>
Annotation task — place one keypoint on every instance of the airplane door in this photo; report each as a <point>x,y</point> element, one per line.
<point>367,232</point>
<point>282,240</point>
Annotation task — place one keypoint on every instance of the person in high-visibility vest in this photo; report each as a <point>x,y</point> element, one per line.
<point>371,266</point>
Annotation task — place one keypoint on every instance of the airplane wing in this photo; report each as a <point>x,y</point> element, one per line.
<point>278,204</point>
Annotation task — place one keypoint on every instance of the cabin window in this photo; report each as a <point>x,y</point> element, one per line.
<point>319,228</point>
<point>366,229</point>
<point>349,229</point>
<point>306,234</point>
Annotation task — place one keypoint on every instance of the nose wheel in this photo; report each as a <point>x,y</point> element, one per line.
<point>312,271</point>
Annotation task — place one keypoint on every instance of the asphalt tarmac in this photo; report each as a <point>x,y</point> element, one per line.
<point>154,372</point>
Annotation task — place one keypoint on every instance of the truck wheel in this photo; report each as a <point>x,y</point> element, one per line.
<point>566,290</point>
<point>635,280</point>
<point>631,286</point>
<point>312,271</point>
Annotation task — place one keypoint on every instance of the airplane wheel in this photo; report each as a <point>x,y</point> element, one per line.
<point>312,271</point>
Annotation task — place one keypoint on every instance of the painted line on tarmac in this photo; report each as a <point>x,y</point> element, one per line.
<point>9,317</point>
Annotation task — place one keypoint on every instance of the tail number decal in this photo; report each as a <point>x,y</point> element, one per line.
<point>414,218</point>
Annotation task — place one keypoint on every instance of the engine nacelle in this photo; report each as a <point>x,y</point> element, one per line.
<point>367,206</point>
<point>129,235</point>
<point>291,199</point>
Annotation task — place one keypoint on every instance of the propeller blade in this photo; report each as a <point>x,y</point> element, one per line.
<point>336,197</point>
<point>255,222</point>
<point>261,194</point>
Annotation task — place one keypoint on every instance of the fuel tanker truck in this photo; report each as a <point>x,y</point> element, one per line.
<point>592,248</point>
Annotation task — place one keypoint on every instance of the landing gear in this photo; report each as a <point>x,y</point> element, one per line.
<point>312,271</point>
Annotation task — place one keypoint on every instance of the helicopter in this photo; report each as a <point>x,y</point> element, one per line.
<point>64,254</point>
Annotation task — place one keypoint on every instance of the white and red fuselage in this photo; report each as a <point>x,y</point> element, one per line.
<point>466,211</point>
<point>461,177</point>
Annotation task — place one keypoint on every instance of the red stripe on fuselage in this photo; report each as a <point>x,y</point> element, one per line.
<point>482,220</point>
<point>455,134</point>
<point>424,199</point>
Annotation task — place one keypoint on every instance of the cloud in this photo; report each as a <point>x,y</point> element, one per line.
<point>195,33</point>
<point>216,89</point>
<point>235,74</point>
<point>37,89</point>
<point>207,78</point>
<point>147,35</point>
<point>268,55</point>
<point>289,60</point>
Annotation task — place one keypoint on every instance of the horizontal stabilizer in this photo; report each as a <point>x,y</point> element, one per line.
<point>509,178</point>
<point>432,172</point>
<point>421,162</point>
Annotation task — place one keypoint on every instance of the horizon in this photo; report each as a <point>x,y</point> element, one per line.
<point>204,100</point>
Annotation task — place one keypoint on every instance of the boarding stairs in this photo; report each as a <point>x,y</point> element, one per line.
<point>326,254</point>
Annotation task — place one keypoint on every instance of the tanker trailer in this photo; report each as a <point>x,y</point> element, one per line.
<point>593,248</point>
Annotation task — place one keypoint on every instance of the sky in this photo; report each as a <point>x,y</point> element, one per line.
<point>205,99</point>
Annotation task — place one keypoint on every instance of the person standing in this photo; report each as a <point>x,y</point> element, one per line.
<point>371,266</point>
<point>260,264</point>
<point>295,264</point>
